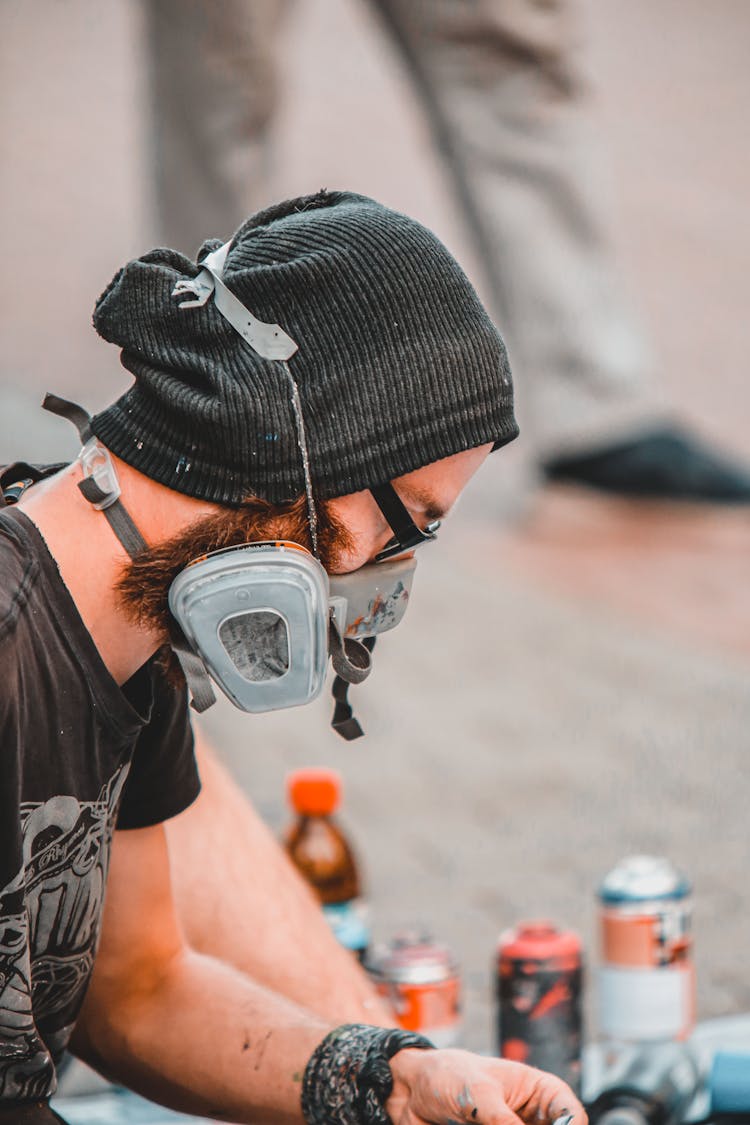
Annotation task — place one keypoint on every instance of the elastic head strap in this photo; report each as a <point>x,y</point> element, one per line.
<point>269,341</point>
<point>106,501</point>
<point>80,418</point>
<point>202,694</point>
<point>343,721</point>
<point>392,507</point>
<point>117,515</point>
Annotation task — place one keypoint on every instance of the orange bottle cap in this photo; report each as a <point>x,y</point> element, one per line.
<point>314,792</point>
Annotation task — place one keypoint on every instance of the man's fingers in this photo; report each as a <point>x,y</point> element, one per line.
<point>539,1098</point>
<point>551,1100</point>
<point>487,1107</point>
<point>559,1103</point>
<point>452,1087</point>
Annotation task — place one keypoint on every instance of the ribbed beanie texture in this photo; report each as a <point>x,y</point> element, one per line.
<point>398,363</point>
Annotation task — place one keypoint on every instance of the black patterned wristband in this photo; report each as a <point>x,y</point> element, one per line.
<point>348,1079</point>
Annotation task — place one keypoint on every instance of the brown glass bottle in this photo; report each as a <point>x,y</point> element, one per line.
<point>321,852</point>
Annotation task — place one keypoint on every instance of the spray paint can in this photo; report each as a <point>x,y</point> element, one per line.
<point>729,1084</point>
<point>421,980</point>
<point>647,977</point>
<point>649,1085</point>
<point>539,981</point>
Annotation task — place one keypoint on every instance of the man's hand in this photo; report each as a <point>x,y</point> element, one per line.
<point>448,1087</point>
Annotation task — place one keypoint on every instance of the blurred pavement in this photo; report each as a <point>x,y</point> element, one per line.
<point>571,682</point>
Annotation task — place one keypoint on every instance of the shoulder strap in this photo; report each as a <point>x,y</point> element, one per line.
<point>20,475</point>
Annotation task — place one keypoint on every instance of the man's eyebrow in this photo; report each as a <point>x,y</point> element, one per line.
<point>426,502</point>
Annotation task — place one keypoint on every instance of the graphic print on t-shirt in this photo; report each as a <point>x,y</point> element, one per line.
<point>49,927</point>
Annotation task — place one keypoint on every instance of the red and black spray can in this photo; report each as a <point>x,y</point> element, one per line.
<point>539,981</point>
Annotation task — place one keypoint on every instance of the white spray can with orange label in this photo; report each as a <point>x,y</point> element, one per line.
<point>647,976</point>
<point>420,978</point>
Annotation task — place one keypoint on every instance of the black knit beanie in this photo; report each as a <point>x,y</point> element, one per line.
<point>398,363</point>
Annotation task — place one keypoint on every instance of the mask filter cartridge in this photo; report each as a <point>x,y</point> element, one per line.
<point>257,615</point>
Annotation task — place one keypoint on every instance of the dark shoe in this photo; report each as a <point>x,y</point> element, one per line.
<point>665,464</point>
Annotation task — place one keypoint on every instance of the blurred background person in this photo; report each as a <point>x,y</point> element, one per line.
<point>502,89</point>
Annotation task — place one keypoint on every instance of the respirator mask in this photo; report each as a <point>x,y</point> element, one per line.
<point>262,619</point>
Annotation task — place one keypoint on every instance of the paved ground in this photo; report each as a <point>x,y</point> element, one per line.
<point>571,681</point>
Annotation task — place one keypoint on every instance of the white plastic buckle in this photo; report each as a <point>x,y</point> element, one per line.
<point>96,462</point>
<point>269,340</point>
<point>201,287</point>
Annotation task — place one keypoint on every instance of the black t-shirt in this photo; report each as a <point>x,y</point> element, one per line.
<point>79,757</point>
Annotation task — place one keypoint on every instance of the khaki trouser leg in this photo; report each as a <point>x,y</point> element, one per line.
<point>502,91</point>
<point>214,89</point>
<point>500,84</point>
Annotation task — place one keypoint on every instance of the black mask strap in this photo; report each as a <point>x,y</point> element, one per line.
<point>202,695</point>
<point>343,721</point>
<point>107,502</point>
<point>351,658</point>
<point>121,523</point>
<point>406,534</point>
<point>80,418</point>
<point>117,515</point>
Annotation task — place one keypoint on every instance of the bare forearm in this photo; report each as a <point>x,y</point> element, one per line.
<point>240,899</point>
<point>205,1040</point>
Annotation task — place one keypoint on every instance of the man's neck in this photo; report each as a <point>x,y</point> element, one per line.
<point>91,559</point>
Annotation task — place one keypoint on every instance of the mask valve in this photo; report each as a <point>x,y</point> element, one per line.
<point>351,660</point>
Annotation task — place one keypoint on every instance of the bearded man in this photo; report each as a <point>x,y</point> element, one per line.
<point>308,400</point>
